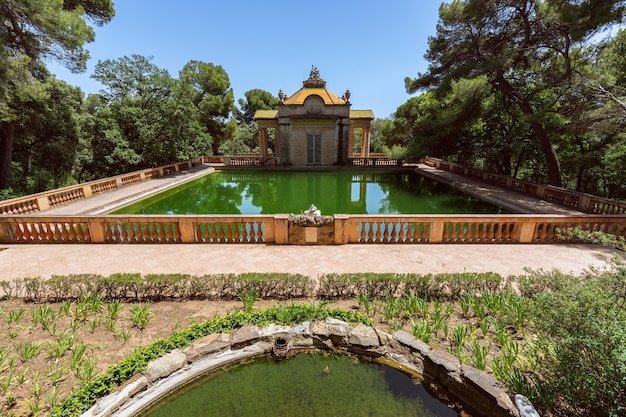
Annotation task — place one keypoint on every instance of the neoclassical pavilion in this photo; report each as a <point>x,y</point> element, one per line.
<point>314,126</point>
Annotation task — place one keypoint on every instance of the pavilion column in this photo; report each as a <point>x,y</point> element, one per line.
<point>263,141</point>
<point>343,141</point>
<point>284,130</point>
<point>351,141</point>
<point>276,142</point>
<point>365,141</point>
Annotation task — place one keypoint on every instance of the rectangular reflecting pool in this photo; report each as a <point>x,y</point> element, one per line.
<point>332,192</point>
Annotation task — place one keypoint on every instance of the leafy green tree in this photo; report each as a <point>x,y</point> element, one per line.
<point>593,122</point>
<point>143,118</point>
<point>46,138</point>
<point>522,47</point>
<point>256,99</point>
<point>33,31</point>
<point>208,87</point>
<point>377,136</point>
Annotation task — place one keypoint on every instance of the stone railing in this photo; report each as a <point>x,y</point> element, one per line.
<point>581,201</point>
<point>281,229</point>
<point>373,161</point>
<point>43,201</point>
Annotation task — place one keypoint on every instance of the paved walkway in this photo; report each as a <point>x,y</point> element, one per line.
<point>518,202</point>
<point>107,201</point>
<point>21,261</point>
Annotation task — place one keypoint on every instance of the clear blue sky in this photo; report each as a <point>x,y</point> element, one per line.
<point>367,46</point>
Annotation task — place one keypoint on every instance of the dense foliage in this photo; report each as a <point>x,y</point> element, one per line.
<point>530,88</point>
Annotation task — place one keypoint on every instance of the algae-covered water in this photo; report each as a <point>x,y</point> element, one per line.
<point>311,385</point>
<point>333,192</point>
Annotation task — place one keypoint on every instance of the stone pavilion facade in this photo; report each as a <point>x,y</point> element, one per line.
<point>314,127</point>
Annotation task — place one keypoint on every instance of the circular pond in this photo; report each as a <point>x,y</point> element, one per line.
<point>305,384</point>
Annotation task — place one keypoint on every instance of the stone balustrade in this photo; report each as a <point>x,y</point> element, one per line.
<point>280,229</point>
<point>373,161</point>
<point>43,201</point>
<point>580,201</point>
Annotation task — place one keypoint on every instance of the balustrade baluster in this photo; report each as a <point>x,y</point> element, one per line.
<point>506,232</point>
<point>166,233</point>
<point>123,232</point>
<point>406,232</point>
<point>389,229</point>
<point>134,232</point>
<point>66,231</point>
<point>374,232</point>
<point>45,232</point>
<point>483,230</point>
<point>236,232</point>
<point>221,232</point>
<point>175,232</point>
<point>210,232</point>
<point>199,231</point>
<point>20,232</point>
<point>80,232</point>
<point>108,234</point>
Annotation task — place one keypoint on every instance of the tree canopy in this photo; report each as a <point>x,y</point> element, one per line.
<point>528,50</point>
<point>33,31</point>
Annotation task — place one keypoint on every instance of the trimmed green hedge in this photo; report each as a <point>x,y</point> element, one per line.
<point>277,286</point>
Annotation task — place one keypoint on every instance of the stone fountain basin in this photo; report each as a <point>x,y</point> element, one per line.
<point>473,388</point>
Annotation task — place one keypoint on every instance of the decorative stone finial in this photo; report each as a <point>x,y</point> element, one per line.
<point>315,73</point>
<point>315,80</point>
<point>346,96</point>
<point>281,96</point>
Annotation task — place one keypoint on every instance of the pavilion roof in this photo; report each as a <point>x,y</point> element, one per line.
<point>354,114</point>
<point>302,94</point>
<point>265,114</point>
<point>361,114</point>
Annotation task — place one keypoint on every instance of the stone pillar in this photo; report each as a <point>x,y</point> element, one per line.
<point>435,234</point>
<point>284,131</point>
<point>6,232</point>
<point>187,232</point>
<point>343,141</point>
<point>96,230</point>
<point>350,141</point>
<point>281,229</point>
<point>43,203</point>
<point>526,231</point>
<point>341,234</point>
<point>263,141</point>
<point>366,142</point>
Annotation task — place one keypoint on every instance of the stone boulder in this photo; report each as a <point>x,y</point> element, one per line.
<point>166,365</point>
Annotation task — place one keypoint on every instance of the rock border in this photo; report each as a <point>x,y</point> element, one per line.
<point>472,387</point>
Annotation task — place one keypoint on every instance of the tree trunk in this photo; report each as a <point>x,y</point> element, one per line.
<point>7,130</point>
<point>554,167</point>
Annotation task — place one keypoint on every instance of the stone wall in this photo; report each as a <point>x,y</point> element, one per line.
<point>326,127</point>
<point>472,388</point>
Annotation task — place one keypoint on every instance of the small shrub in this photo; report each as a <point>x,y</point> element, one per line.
<point>141,315</point>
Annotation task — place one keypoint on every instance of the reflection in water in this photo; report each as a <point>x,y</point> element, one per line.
<point>263,192</point>
<point>306,385</point>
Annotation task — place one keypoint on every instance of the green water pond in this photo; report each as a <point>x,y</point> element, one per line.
<point>312,385</point>
<point>332,192</point>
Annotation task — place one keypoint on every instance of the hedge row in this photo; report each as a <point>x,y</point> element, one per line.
<point>278,286</point>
